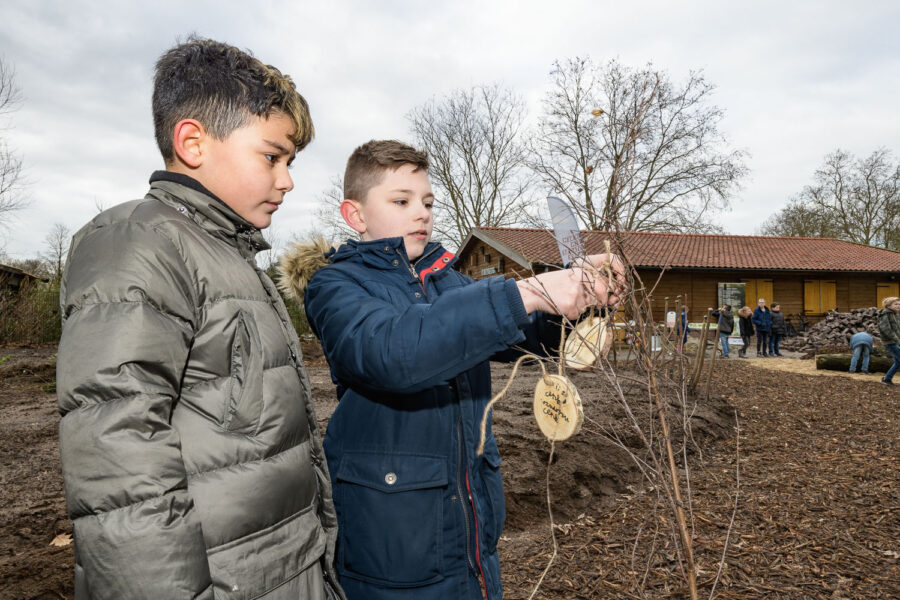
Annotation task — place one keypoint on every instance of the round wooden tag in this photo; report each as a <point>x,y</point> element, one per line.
<point>590,338</point>
<point>557,407</point>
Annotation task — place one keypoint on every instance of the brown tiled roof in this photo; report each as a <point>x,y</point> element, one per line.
<point>678,250</point>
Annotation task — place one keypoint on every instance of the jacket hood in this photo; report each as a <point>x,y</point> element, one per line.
<point>300,263</point>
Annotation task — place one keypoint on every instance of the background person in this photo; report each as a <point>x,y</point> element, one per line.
<point>778,330</point>
<point>725,326</point>
<point>889,328</point>
<point>746,325</point>
<point>762,320</point>
<point>861,345</point>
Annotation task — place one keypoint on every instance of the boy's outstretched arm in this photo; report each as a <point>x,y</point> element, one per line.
<point>401,348</point>
<point>127,331</point>
<point>569,292</point>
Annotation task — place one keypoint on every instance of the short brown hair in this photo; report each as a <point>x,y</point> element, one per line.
<point>888,301</point>
<point>223,88</point>
<point>367,164</point>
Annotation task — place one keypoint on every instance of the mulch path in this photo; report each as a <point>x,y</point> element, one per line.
<point>818,505</point>
<point>814,471</point>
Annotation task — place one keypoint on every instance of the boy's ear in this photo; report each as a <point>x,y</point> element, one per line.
<point>188,139</point>
<point>351,211</point>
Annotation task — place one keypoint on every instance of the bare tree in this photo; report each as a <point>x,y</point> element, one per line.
<point>57,245</point>
<point>798,220</point>
<point>632,150</point>
<point>857,200</point>
<point>10,163</point>
<point>476,156</point>
<point>330,224</point>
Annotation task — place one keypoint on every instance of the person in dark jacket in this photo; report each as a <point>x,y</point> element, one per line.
<point>746,327</point>
<point>889,329</point>
<point>778,330</point>
<point>408,340</point>
<point>681,328</point>
<point>861,343</point>
<point>191,456</point>
<point>725,326</point>
<point>762,320</point>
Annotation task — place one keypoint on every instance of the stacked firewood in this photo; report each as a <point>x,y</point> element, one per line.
<point>835,331</point>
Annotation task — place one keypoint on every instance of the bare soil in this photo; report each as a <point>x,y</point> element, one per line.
<point>813,472</point>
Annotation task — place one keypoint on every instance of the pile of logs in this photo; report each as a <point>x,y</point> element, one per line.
<point>835,331</point>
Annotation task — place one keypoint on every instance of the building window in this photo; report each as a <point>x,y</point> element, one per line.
<point>487,258</point>
<point>819,296</point>
<point>501,265</point>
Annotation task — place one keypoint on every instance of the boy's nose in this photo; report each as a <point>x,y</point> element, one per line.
<point>284,182</point>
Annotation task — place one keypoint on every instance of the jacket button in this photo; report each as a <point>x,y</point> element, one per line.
<point>390,478</point>
<point>418,294</point>
<point>387,248</point>
<point>435,268</point>
<point>395,262</point>
<point>446,259</point>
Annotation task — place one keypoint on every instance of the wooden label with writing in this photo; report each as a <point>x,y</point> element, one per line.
<point>557,407</point>
<point>589,340</point>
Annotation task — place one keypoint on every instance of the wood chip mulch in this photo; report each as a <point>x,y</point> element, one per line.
<point>817,513</point>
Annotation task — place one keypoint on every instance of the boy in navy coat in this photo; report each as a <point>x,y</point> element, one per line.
<point>408,340</point>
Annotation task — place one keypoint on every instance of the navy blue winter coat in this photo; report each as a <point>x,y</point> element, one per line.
<point>762,319</point>
<point>419,512</point>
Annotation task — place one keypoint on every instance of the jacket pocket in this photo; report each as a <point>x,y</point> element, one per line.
<point>244,397</point>
<point>493,483</point>
<point>391,517</point>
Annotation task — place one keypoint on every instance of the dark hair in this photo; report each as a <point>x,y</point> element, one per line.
<point>367,164</point>
<point>727,307</point>
<point>774,304</point>
<point>222,87</point>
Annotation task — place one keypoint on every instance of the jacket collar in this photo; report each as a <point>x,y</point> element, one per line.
<point>207,210</point>
<point>383,253</point>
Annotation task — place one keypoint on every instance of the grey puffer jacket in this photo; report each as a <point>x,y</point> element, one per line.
<point>889,326</point>
<point>191,457</point>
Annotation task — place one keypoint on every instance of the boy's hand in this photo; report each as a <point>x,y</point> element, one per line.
<point>569,292</point>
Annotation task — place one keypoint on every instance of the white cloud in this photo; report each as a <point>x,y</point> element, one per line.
<point>796,80</point>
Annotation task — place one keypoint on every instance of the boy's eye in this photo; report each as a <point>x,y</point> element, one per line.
<point>271,157</point>
<point>400,201</point>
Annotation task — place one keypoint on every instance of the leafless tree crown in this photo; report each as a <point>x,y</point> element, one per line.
<point>631,149</point>
<point>472,137</point>
<point>56,243</point>
<point>11,198</point>
<point>857,200</point>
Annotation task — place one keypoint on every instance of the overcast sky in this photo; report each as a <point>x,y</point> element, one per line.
<point>796,80</point>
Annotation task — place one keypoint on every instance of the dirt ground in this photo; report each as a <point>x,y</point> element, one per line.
<point>813,474</point>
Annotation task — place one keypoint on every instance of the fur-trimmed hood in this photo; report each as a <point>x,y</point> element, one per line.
<point>300,263</point>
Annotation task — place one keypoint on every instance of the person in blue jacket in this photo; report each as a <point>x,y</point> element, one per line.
<point>861,343</point>
<point>762,320</point>
<point>408,340</point>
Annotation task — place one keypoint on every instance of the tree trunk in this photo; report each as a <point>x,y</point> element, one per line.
<point>841,362</point>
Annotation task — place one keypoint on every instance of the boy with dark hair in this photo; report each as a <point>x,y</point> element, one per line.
<point>190,452</point>
<point>408,339</point>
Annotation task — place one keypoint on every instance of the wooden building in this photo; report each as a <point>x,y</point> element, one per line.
<point>808,276</point>
<point>13,279</point>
